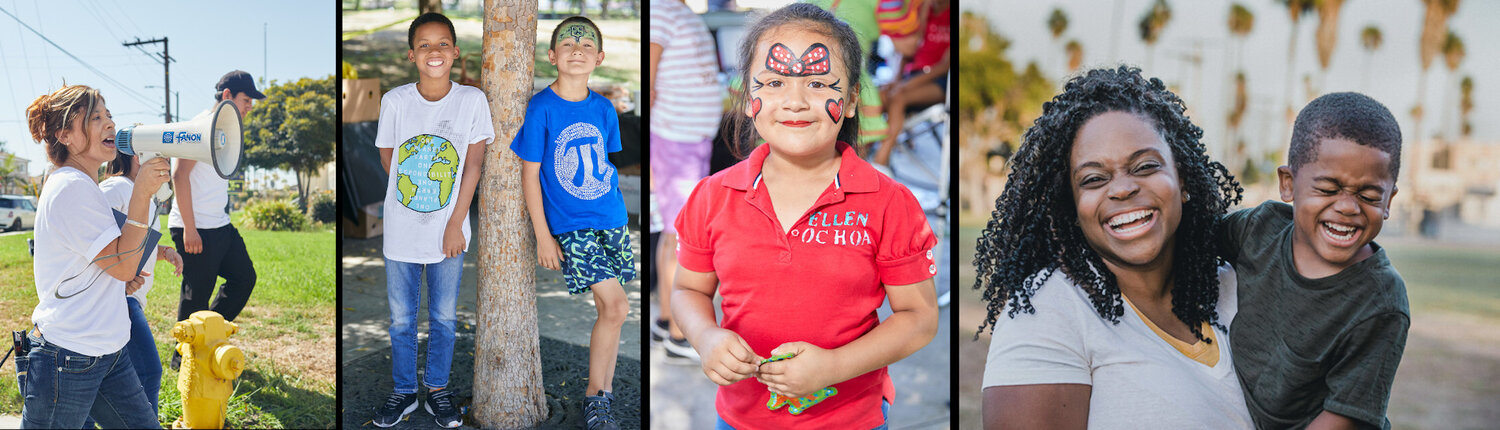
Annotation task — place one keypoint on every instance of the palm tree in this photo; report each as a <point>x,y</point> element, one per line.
<point>508,390</point>
<point>1327,35</point>
<point>1434,28</point>
<point>1075,55</point>
<point>1466,103</point>
<point>1057,22</point>
<point>1151,25</point>
<point>1453,55</point>
<point>1371,39</point>
<point>1295,10</point>
<point>1241,22</point>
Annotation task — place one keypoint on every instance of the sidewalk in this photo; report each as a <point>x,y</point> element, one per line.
<point>564,322</point>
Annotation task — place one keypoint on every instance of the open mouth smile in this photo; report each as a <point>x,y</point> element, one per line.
<point>1131,225</point>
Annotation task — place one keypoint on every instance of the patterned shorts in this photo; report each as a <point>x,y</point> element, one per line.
<point>590,256</point>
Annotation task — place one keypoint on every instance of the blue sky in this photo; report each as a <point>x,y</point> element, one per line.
<point>208,39</point>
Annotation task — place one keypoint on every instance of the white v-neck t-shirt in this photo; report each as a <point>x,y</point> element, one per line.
<point>1137,379</point>
<point>73,224</point>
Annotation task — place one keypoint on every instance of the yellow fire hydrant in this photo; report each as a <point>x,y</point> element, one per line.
<point>209,366</point>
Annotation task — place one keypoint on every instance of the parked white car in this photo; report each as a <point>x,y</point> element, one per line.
<point>17,212</point>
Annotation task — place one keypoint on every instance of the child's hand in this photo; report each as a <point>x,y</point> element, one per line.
<point>453,241</point>
<point>167,254</point>
<point>812,369</point>
<point>549,253</point>
<point>135,284</point>
<point>727,359</point>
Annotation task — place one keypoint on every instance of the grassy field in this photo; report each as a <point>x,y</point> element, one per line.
<point>1448,374</point>
<point>286,331</point>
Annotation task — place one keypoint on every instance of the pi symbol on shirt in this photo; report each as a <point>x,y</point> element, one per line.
<point>580,163</point>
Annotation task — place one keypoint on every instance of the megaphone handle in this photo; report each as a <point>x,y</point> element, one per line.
<point>163,193</point>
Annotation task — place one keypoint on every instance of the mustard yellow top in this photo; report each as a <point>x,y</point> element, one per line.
<point>1202,352</point>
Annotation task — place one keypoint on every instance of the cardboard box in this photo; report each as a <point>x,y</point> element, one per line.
<point>360,99</point>
<point>370,222</point>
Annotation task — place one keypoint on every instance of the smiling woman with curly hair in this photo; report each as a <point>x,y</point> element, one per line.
<point>1111,204</point>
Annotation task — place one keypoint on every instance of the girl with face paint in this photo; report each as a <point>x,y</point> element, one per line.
<point>804,241</point>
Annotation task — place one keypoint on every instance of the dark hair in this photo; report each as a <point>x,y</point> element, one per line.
<point>411,32</point>
<point>577,18</point>
<point>122,165</point>
<point>50,114</point>
<point>801,16</point>
<point>1034,227</point>
<point>1351,116</point>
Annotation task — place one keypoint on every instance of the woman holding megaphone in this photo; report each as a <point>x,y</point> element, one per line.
<point>85,263</point>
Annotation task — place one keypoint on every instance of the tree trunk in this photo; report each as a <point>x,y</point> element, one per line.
<point>426,6</point>
<point>301,190</point>
<point>508,391</point>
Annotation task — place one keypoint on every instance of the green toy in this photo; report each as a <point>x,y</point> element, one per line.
<point>800,404</point>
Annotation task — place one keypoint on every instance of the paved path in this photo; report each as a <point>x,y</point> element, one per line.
<point>563,321</point>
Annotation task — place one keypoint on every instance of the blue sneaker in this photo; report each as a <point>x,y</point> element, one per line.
<point>596,410</point>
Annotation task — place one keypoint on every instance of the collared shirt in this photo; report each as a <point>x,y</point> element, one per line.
<point>820,282</point>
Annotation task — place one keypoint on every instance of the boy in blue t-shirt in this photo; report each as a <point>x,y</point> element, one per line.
<point>573,194</point>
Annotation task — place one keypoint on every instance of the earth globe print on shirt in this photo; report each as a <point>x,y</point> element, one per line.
<point>426,166</point>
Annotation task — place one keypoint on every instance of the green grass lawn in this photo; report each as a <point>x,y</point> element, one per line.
<point>287,330</point>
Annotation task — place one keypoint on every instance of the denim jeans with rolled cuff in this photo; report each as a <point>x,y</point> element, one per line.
<point>404,290</point>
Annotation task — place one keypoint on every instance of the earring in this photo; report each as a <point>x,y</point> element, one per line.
<point>1187,197</point>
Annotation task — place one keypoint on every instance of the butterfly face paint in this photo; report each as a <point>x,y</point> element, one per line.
<point>577,31</point>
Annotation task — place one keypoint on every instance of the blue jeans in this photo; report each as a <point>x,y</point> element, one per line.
<point>403,287</point>
<point>885,413</point>
<point>142,352</point>
<point>141,349</point>
<point>61,388</point>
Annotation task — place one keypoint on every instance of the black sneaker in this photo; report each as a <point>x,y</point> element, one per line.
<point>597,414</point>
<point>176,360</point>
<point>396,408</point>
<point>440,405</point>
<point>680,350</point>
<point>660,330</point>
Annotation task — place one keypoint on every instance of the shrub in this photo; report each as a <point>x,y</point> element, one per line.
<point>275,215</point>
<point>323,208</point>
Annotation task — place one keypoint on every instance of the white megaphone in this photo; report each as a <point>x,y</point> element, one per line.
<point>211,137</point>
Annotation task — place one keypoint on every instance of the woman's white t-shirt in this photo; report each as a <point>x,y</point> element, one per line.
<point>74,223</point>
<point>1137,379</point>
<point>117,191</point>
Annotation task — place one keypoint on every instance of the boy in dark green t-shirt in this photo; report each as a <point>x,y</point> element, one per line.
<point>1322,313</point>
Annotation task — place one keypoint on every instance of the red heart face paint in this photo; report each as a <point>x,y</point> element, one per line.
<point>835,109</point>
<point>755,107</point>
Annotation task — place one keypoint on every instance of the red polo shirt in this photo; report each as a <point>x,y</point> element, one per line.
<point>820,283</point>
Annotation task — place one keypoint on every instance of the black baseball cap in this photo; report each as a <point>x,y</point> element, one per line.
<point>239,81</point>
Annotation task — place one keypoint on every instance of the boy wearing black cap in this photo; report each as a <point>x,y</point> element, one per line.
<point>213,248</point>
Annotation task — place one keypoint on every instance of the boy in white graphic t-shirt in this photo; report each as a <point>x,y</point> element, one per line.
<point>429,133</point>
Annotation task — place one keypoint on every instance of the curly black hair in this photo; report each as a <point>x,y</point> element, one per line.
<point>1351,116</point>
<point>1034,227</point>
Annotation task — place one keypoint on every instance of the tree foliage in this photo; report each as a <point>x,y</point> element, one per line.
<point>293,129</point>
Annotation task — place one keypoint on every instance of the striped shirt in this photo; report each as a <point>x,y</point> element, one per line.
<point>689,99</point>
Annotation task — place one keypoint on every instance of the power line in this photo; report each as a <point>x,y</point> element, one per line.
<point>85,64</point>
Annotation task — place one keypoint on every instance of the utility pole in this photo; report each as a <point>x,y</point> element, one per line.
<point>166,63</point>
